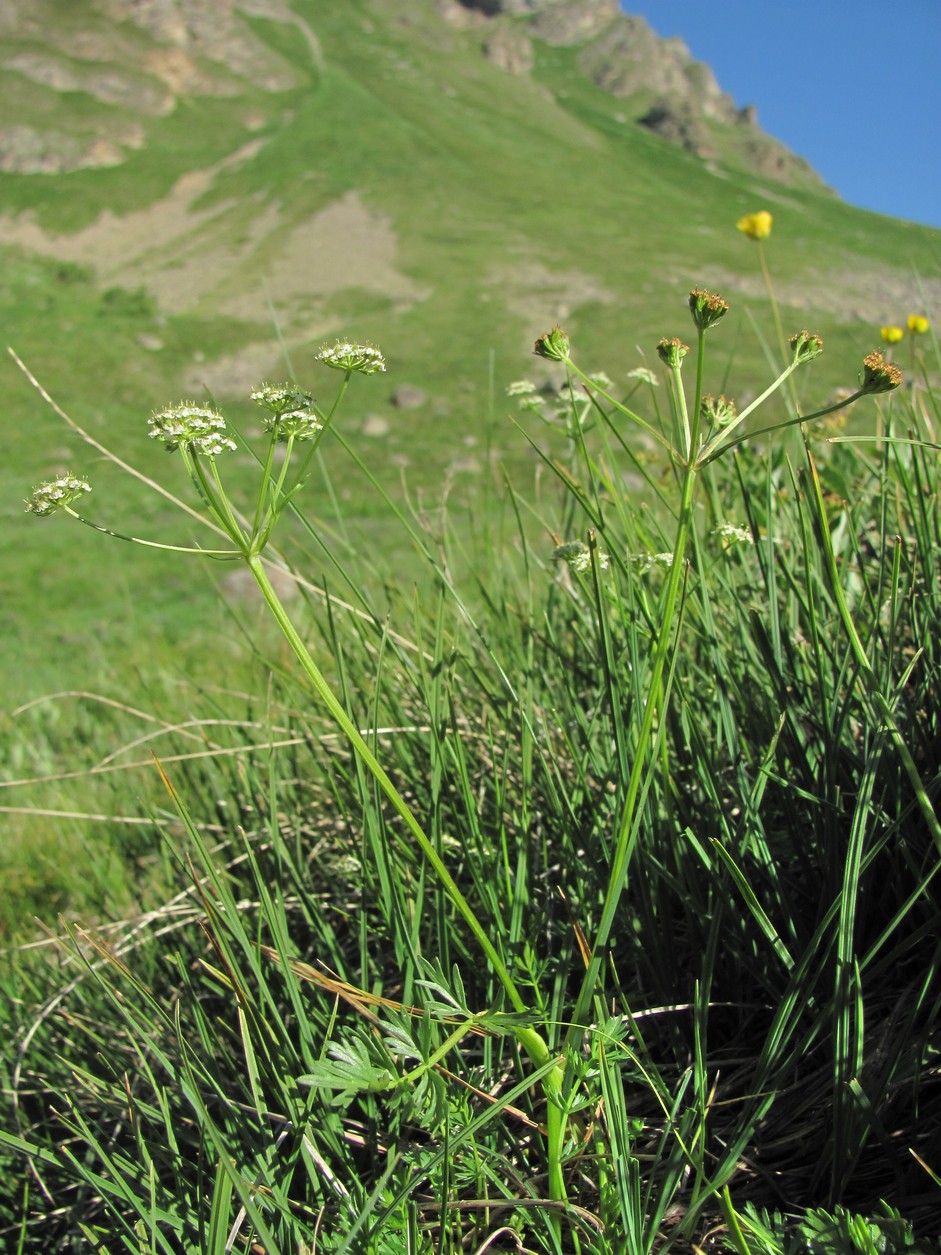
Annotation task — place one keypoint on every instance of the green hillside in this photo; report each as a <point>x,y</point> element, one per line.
<point>366,169</point>
<point>547,862</point>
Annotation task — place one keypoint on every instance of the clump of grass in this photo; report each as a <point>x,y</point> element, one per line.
<point>573,908</point>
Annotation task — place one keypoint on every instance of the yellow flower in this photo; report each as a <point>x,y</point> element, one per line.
<point>892,335</point>
<point>918,324</point>
<point>756,226</point>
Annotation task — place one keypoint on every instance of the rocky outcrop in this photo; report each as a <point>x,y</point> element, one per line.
<point>665,89</point>
<point>197,48</point>
<point>509,49</point>
<point>574,22</point>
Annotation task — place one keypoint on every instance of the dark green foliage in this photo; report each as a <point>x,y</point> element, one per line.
<point>304,1050</point>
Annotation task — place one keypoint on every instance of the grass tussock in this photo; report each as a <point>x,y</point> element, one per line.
<point>583,899</point>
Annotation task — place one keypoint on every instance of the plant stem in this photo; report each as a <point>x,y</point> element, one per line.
<point>531,1041</point>
<point>776,315</point>
<point>866,671</point>
<point>624,843</point>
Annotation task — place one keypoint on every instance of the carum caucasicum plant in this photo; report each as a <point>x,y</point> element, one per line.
<point>564,1041</point>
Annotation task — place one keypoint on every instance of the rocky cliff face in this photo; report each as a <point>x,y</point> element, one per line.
<point>194,47</point>
<point>674,95</point>
<point>206,47</point>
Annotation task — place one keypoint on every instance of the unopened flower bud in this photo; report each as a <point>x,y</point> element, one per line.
<point>672,352</point>
<point>918,324</point>
<point>56,493</point>
<point>879,375</point>
<point>805,346</point>
<point>365,358</point>
<point>756,226</point>
<point>891,335</point>
<point>554,345</point>
<point>706,308</point>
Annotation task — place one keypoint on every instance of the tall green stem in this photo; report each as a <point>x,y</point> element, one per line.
<point>776,315</point>
<point>531,1041</point>
<point>866,671</point>
<point>624,843</point>
<point>368,758</point>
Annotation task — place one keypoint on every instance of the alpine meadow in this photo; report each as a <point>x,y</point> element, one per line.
<point>470,750</point>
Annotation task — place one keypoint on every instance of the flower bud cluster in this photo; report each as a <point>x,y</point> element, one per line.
<point>365,358</point>
<point>805,346</point>
<point>879,375</point>
<point>671,352</point>
<point>717,411</point>
<point>577,554</point>
<point>646,562</point>
<point>290,411</point>
<point>528,397</point>
<point>554,345</point>
<point>707,308</point>
<point>56,493</point>
<point>200,429</point>
<point>731,534</point>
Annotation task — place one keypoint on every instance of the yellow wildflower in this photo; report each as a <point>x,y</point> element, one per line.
<point>918,324</point>
<point>892,335</point>
<point>756,226</point>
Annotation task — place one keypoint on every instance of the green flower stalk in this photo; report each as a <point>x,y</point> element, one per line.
<point>199,434</point>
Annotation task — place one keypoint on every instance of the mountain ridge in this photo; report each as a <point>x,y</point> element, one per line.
<point>389,171</point>
<point>669,92</point>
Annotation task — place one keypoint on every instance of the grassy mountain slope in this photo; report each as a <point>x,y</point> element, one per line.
<point>366,169</point>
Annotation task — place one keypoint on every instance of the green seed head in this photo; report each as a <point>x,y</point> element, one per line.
<point>706,308</point>
<point>671,352</point>
<point>805,346</point>
<point>554,345</point>
<point>879,375</point>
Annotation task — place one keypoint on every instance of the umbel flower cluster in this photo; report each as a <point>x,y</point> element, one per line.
<point>56,493</point>
<point>290,412</point>
<point>200,429</point>
<point>365,358</point>
<point>579,557</point>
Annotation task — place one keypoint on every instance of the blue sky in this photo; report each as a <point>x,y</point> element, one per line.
<point>852,85</point>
